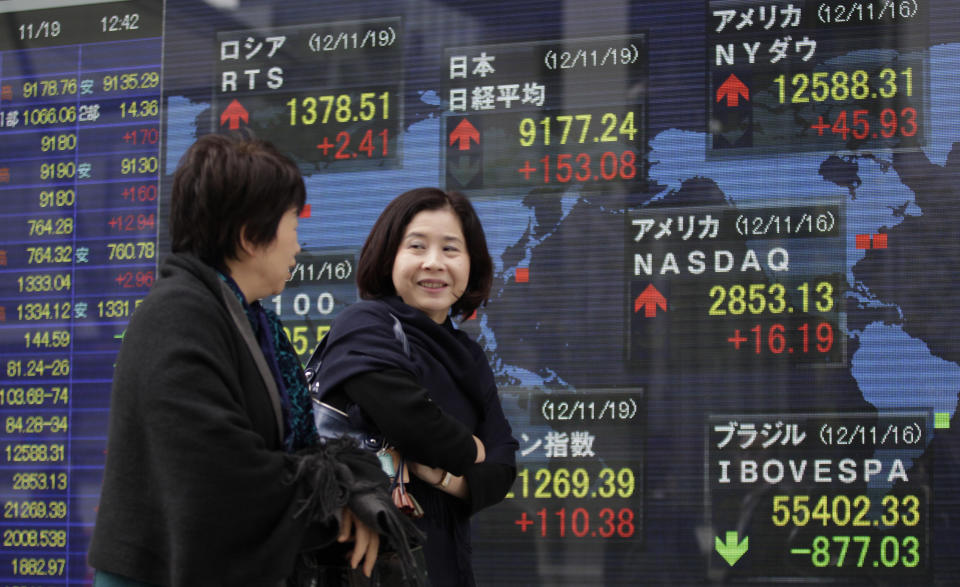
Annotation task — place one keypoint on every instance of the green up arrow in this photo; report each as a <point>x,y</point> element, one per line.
<point>731,550</point>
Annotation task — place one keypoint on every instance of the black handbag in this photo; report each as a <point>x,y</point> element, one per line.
<point>331,422</point>
<point>334,423</point>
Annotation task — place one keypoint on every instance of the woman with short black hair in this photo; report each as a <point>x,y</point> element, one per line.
<point>374,272</point>
<point>214,475</point>
<point>396,361</point>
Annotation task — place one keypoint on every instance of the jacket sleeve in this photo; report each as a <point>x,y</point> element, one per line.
<point>490,480</point>
<point>402,410</point>
<point>488,483</point>
<point>405,414</point>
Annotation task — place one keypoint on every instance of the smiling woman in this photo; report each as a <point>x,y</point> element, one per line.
<point>433,397</point>
<point>432,265</point>
<point>375,273</point>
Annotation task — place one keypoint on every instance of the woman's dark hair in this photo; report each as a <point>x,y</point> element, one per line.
<point>225,185</point>
<point>375,269</point>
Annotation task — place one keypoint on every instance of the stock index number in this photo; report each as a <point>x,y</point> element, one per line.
<point>840,86</point>
<point>563,483</point>
<point>578,129</point>
<point>842,510</point>
<point>757,298</point>
<point>339,108</point>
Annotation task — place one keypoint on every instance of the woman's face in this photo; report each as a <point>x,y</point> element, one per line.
<point>270,264</point>
<point>432,267</point>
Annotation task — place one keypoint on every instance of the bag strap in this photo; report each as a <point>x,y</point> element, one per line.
<point>313,363</point>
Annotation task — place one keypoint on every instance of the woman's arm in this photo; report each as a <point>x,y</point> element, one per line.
<point>402,410</point>
<point>486,482</point>
<point>483,485</point>
<point>490,480</point>
<point>445,481</point>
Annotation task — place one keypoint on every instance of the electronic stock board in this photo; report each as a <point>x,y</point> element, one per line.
<point>723,318</point>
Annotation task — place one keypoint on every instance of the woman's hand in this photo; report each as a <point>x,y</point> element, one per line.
<point>456,486</point>
<point>481,450</point>
<point>430,475</point>
<point>367,541</point>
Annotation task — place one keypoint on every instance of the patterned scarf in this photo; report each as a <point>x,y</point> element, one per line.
<point>299,431</point>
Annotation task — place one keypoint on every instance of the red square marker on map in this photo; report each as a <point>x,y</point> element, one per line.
<point>863,241</point>
<point>522,274</point>
<point>880,240</point>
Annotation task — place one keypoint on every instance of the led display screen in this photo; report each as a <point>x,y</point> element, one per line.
<point>722,322</point>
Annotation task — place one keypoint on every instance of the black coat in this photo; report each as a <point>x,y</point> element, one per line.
<point>400,388</point>
<point>197,487</point>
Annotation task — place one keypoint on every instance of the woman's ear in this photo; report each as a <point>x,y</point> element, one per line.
<point>244,247</point>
